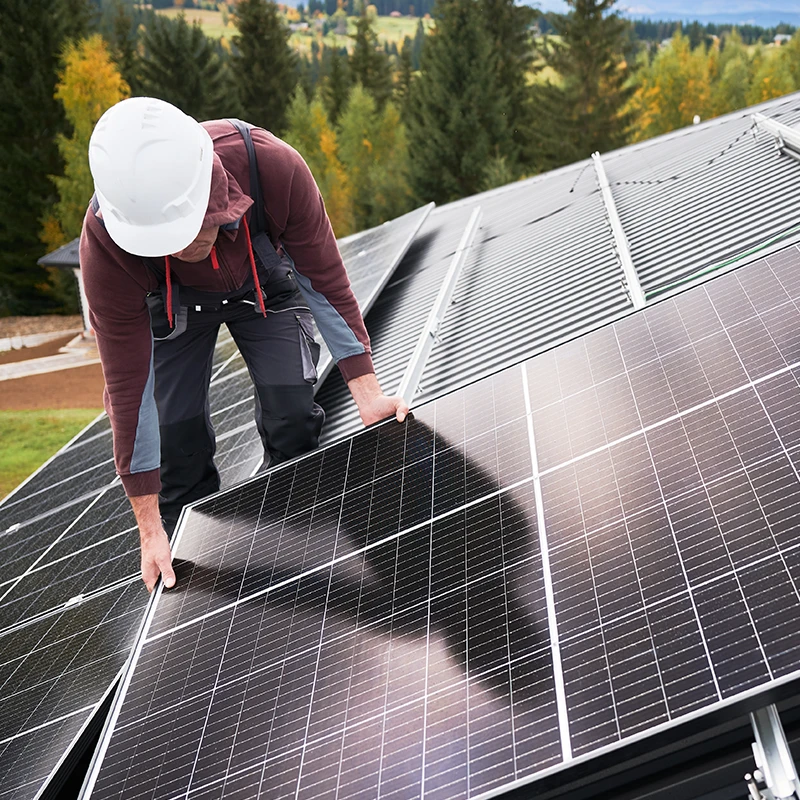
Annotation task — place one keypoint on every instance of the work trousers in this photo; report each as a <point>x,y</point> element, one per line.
<point>281,356</point>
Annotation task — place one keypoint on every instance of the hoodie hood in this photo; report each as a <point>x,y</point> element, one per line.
<point>227,202</point>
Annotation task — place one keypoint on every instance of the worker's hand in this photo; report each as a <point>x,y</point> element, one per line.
<point>381,407</point>
<point>156,557</point>
<point>373,404</point>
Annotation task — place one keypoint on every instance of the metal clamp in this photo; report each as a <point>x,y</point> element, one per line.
<point>775,776</point>
<point>787,139</point>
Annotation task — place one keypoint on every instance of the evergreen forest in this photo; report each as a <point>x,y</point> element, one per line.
<point>485,92</point>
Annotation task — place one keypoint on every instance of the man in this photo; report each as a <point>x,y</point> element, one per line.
<point>173,245</point>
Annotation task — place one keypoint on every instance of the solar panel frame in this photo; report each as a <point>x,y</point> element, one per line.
<point>690,401</point>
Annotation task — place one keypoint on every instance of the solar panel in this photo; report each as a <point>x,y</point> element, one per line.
<point>70,549</point>
<point>595,545</point>
<point>54,672</point>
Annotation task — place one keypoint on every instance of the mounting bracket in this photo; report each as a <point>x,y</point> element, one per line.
<point>775,776</point>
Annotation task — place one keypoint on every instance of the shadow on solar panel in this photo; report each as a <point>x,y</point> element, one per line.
<point>320,594</point>
<point>585,551</point>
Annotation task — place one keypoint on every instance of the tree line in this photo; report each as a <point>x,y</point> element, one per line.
<point>481,100</point>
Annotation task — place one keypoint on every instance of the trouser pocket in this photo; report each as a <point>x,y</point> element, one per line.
<point>309,349</point>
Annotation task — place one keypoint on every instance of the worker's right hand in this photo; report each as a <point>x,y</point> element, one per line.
<point>156,558</point>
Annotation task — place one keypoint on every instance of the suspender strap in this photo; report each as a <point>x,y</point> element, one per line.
<point>258,219</point>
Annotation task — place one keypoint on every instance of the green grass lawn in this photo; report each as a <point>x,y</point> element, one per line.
<point>29,438</point>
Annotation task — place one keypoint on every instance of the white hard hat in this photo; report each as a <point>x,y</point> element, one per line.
<point>151,165</point>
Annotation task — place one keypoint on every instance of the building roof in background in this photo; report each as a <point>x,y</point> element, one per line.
<point>65,257</point>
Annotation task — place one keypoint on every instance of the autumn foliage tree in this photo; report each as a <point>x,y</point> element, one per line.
<point>89,84</point>
<point>374,152</point>
<point>679,82</point>
<point>671,89</point>
<point>311,134</point>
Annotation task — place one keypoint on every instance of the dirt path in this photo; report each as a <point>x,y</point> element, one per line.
<point>81,387</point>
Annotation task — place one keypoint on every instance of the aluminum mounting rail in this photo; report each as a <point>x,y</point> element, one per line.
<point>775,776</point>
<point>631,280</point>
<point>787,140</point>
<point>430,333</point>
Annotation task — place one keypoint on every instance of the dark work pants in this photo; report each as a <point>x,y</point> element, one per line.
<point>281,357</point>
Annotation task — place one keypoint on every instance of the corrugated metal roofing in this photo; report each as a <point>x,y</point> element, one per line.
<point>544,268</point>
<point>705,194</point>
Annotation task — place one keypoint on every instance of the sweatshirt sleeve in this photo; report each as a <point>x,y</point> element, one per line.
<point>309,241</point>
<point>116,284</point>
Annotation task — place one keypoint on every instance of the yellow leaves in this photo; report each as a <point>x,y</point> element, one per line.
<point>681,82</point>
<point>52,235</point>
<point>90,83</point>
<point>319,146</point>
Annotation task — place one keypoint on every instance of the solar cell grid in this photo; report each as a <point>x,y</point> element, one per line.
<point>573,552</point>
<point>50,671</point>
<point>21,546</point>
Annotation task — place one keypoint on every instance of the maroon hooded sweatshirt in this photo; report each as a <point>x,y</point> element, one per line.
<point>117,282</point>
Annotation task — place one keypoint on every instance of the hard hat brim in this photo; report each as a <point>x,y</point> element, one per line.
<point>166,238</point>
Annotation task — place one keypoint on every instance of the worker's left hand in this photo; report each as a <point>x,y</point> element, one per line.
<point>381,407</point>
<point>373,404</point>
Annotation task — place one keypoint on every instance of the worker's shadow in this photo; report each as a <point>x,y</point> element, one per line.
<point>469,584</point>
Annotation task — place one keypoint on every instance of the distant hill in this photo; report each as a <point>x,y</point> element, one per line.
<point>766,14</point>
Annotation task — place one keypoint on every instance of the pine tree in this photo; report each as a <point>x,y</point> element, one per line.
<point>89,84</point>
<point>184,67</point>
<point>507,25</point>
<point>584,112</point>
<point>123,38</point>
<point>336,86</point>
<point>263,64</point>
<point>457,112</point>
<point>416,48</point>
<point>405,74</point>
<point>32,33</point>
<point>310,133</point>
<point>369,64</point>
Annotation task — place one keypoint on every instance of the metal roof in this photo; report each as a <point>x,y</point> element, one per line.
<point>544,267</point>
<point>705,194</point>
